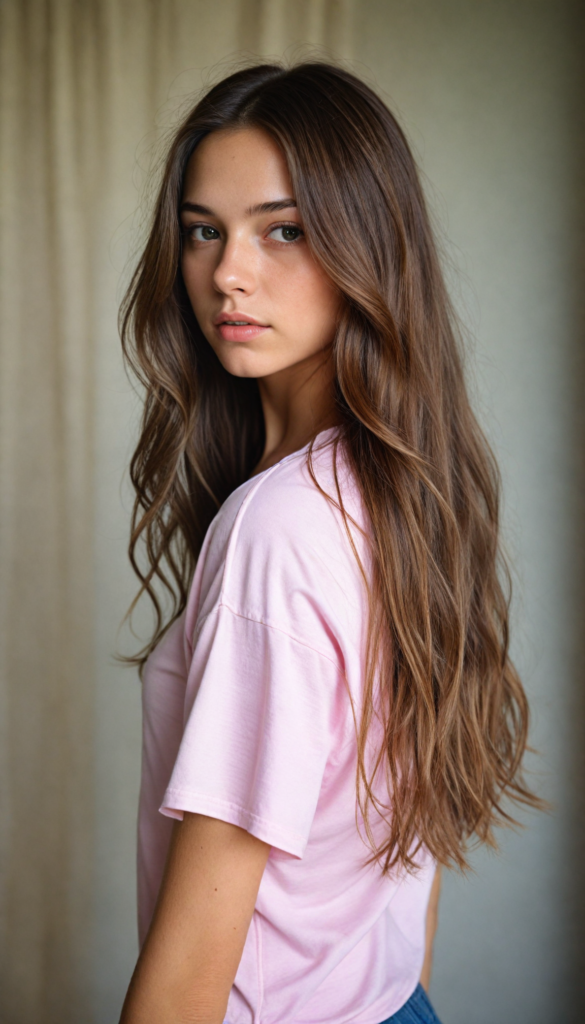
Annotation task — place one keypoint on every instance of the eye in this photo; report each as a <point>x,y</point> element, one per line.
<point>202,232</point>
<point>288,233</point>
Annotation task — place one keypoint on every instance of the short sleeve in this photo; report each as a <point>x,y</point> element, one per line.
<point>259,728</point>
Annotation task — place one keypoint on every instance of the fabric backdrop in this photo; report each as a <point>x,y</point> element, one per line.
<point>489,94</point>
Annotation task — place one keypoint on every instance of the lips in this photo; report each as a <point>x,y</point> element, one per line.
<point>238,326</point>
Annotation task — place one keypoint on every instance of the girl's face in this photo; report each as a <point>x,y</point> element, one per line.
<point>263,303</point>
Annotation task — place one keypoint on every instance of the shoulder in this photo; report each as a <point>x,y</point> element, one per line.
<point>294,506</point>
<point>289,545</point>
<point>278,552</point>
<point>287,495</point>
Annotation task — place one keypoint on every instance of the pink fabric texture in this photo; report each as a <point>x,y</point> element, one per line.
<point>248,718</point>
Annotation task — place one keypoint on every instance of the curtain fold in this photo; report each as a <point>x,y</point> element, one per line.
<point>48,202</point>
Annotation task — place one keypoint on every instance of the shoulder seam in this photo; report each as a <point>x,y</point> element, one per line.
<point>348,732</point>
<point>269,625</point>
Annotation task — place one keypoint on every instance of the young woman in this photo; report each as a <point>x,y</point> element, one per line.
<point>329,707</point>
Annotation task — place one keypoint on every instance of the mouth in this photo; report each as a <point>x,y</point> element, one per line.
<point>238,319</point>
<point>238,326</point>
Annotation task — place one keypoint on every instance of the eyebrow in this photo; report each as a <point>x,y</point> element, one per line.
<point>272,207</point>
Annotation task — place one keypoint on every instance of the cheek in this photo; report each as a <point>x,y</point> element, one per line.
<point>309,300</point>
<point>319,308</point>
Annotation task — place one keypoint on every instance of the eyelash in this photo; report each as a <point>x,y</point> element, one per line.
<point>188,231</point>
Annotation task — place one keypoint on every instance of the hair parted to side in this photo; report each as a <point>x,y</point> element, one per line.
<point>454,711</point>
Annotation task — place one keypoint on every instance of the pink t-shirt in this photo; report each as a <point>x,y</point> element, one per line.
<point>247,718</point>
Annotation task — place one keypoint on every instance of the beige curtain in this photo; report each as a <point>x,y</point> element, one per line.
<point>84,85</point>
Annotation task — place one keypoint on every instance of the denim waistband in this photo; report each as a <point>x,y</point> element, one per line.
<point>418,1010</point>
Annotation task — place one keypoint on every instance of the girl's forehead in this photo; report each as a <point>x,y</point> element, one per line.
<point>246,162</point>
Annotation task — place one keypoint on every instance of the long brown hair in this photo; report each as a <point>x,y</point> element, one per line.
<point>438,671</point>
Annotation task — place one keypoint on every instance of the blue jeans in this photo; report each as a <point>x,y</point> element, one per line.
<point>417,1010</point>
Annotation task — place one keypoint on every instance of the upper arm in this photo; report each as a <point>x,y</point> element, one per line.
<point>191,954</point>
<point>262,713</point>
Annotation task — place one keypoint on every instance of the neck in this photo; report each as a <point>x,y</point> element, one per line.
<point>297,402</point>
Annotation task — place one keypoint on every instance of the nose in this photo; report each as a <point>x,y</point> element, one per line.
<point>236,271</point>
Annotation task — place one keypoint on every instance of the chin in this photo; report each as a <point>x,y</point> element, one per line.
<point>241,362</point>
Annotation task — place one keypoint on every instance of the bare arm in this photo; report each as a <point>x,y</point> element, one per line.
<point>432,921</point>
<point>189,960</point>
